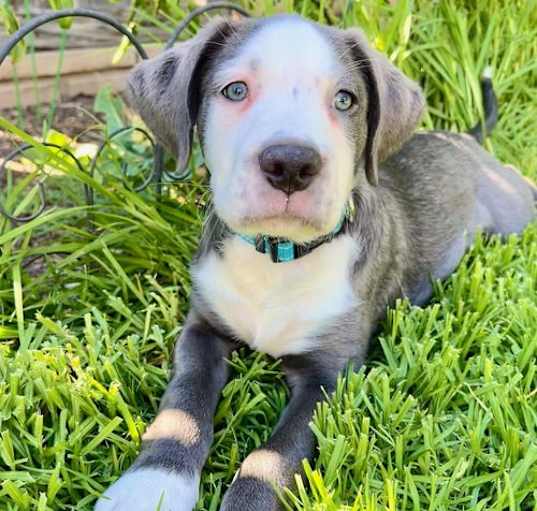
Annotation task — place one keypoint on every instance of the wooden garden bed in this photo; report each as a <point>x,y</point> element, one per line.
<point>84,71</point>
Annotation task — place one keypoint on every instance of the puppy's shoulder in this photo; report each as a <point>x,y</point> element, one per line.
<point>430,162</point>
<point>435,149</point>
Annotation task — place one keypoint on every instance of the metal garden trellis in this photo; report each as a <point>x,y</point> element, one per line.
<point>157,171</point>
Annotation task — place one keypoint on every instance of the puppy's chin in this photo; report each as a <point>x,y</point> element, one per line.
<point>301,218</point>
<point>285,226</point>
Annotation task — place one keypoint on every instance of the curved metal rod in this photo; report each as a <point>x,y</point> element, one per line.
<point>181,176</point>
<point>158,167</point>
<point>40,184</point>
<point>115,134</point>
<point>67,13</point>
<point>201,10</point>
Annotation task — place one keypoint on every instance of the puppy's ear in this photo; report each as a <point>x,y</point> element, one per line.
<point>165,90</point>
<point>395,103</point>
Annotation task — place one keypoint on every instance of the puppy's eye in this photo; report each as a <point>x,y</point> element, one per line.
<point>343,100</point>
<point>235,91</point>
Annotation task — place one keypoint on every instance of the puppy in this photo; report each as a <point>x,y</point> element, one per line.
<point>326,209</point>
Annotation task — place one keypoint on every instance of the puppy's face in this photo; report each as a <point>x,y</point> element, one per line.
<point>291,115</point>
<point>283,123</point>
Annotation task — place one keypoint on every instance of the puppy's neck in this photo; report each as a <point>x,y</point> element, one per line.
<point>363,221</point>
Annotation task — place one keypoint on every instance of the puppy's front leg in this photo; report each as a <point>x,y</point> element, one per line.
<point>166,474</point>
<point>275,464</point>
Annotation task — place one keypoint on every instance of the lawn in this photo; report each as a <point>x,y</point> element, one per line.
<point>443,416</point>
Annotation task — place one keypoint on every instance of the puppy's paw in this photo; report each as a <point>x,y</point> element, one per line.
<point>150,489</point>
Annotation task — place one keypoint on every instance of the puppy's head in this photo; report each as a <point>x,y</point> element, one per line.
<point>292,116</point>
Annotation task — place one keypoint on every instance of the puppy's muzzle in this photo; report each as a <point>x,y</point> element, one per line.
<point>290,168</point>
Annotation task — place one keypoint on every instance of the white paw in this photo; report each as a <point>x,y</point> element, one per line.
<point>150,489</point>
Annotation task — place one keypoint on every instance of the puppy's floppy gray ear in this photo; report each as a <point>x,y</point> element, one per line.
<point>395,103</point>
<point>165,90</point>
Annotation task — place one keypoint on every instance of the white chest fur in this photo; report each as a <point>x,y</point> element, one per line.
<point>278,308</point>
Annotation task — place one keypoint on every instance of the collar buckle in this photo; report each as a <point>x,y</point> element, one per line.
<point>273,249</point>
<point>260,244</point>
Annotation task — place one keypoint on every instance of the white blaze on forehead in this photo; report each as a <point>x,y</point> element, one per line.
<point>289,47</point>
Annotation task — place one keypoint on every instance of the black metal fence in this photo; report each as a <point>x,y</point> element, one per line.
<point>158,172</point>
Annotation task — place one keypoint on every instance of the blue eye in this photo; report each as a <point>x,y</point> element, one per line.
<point>343,100</point>
<point>235,91</point>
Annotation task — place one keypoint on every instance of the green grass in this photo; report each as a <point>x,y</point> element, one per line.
<point>444,415</point>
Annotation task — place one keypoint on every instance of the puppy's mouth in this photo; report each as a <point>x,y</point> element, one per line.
<point>281,221</point>
<point>294,217</point>
<point>293,206</point>
<point>300,205</point>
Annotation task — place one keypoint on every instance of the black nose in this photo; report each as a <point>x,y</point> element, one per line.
<point>290,168</point>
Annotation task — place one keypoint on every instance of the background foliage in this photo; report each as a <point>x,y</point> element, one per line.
<point>91,299</point>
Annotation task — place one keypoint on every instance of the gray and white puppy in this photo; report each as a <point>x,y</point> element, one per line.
<point>327,208</point>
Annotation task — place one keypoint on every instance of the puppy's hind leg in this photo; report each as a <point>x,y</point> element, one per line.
<point>166,474</point>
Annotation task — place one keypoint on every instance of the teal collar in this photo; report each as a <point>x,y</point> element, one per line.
<point>282,250</point>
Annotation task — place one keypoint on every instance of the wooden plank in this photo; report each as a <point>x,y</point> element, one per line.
<point>74,61</point>
<point>70,85</point>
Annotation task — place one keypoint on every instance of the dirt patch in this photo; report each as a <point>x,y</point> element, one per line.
<point>74,117</point>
